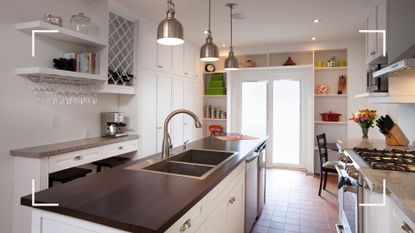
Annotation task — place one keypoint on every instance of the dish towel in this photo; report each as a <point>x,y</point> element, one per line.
<point>236,137</point>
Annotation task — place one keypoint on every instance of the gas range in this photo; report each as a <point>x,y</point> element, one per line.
<point>395,160</point>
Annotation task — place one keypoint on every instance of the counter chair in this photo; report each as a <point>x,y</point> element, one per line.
<point>67,175</point>
<point>110,162</point>
<point>326,166</point>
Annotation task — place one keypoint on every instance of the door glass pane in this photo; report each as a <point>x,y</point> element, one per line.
<point>254,108</point>
<point>286,122</point>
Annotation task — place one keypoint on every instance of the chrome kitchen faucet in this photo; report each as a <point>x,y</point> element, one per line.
<point>165,150</point>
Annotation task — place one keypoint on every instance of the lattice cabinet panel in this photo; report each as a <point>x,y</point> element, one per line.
<point>120,51</point>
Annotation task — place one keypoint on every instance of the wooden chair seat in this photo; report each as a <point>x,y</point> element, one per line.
<point>67,175</point>
<point>110,162</point>
<point>329,165</point>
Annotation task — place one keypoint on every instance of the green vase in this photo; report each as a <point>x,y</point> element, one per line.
<point>365,132</point>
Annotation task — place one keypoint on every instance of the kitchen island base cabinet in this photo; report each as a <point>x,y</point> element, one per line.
<point>221,210</point>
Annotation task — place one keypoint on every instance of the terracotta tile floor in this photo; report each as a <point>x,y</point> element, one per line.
<point>293,204</point>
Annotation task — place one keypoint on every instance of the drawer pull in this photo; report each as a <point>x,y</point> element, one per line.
<point>406,228</point>
<point>77,158</point>
<point>186,225</point>
<point>232,200</point>
<point>120,148</point>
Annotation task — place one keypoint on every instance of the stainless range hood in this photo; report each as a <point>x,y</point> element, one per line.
<point>406,65</point>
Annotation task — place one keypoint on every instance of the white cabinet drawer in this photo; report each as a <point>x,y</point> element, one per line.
<point>191,221</point>
<point>215,197</point>
<point>73,159</point>
<point>119,148</point>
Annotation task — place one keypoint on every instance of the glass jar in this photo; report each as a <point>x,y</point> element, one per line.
<point>80,23</point>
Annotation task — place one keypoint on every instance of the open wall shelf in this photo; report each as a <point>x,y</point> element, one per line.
<point>36,73</point>
<point>64,34</point>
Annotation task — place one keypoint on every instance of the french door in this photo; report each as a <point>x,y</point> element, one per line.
<point>273,104</point>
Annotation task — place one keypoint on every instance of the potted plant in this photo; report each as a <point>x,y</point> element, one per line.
<point>365,118</point>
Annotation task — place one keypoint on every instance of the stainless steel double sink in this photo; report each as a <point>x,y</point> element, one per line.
<point>193,163</point>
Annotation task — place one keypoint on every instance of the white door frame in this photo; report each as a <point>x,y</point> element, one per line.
<point>302,73</point>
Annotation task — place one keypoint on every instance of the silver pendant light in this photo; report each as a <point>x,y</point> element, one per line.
<point>209,51</point>
<point>231,63</point>
<point>170,30</point>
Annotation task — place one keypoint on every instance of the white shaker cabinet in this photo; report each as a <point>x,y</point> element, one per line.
<point>148,112</point>
<point>178,59</point>
<point>153,55</point>
<point>188,60</point>
<point>196,55</point>
<point>156,105</point>
<point>148,47</point>
<point>377,20</point>
<point>164,58</point>
<point>192,102</point>
<point>178,120</point>
<point>164,88</point>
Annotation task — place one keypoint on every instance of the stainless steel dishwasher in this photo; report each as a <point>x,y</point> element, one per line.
<point>251,191</point>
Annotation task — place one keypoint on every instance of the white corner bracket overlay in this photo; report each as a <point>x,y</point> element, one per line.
<point>383,204</point>
<point>383,32</point>
<point>33,37</point>
<point>33,198</point>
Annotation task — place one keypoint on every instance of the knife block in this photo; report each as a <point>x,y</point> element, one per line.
<point>396,137</point>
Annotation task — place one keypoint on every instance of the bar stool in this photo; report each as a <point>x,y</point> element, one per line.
<point>110,162</point>
<point>325,165</point>
<point>67,175</point>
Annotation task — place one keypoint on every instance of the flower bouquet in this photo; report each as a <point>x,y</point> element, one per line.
<point>365,118</point>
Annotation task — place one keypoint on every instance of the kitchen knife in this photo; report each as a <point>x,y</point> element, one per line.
<point>389,120</point>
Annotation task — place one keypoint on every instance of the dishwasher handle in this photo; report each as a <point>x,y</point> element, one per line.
<point>252,157</point>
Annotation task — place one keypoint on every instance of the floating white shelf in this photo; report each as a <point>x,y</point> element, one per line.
<point>372,94</point>
<point>64,34</point>
<point>214,96</point>
<point>331,122</point>
<point>331,95</point>
<point>117,89</point>
<point>41,72</point>
<point>339,68</point>
<point>213,119</point>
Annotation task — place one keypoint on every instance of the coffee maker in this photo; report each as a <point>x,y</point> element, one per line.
<point>113,124</point>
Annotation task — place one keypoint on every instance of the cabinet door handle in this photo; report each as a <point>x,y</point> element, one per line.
<point>159,127</point>
<point>186,73</point>
<point>120,148</point>
<point>232,200</point>
<point>77,158</point>
<point>372,53</point>
<point>160,67</point>
<point>406,228</point>
<point>186,225</point>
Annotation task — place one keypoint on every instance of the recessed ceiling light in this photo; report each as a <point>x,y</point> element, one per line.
<point>316,21</point>
<point>205,31</point>
<point>223,45</point>
<point>313,38</point>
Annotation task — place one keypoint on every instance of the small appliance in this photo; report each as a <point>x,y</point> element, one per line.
<point>376,83</point>
<point>113,124</point>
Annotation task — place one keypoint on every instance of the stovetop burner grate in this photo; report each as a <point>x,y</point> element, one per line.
<point>395,160</point>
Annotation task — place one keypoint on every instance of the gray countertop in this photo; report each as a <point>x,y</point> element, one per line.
<point>69,146</point>
<point>399,185</point>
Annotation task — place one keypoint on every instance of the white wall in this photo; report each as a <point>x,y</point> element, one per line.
<point>24,122</point>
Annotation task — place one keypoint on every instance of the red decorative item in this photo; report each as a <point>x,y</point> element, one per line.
<point>330,116</point>
<point>214,129</point>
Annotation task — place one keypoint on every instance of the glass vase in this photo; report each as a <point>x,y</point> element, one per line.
<point>365,132</point>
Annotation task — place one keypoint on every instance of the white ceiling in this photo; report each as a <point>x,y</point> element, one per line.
<point>268,21</point>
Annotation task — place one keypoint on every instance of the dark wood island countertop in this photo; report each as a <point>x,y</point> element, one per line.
<point>138,201</point>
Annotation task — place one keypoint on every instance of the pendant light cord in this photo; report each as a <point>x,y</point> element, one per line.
<point>231,48</point>
<point>209,17</point>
